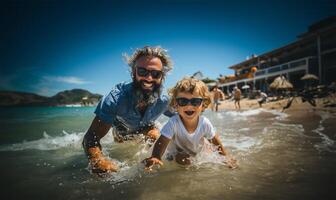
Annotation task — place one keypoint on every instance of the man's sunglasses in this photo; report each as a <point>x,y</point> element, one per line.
<point>156,74</point>
<point>184,101</point>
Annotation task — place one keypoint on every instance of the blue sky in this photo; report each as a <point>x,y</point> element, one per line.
<point>49,46</point>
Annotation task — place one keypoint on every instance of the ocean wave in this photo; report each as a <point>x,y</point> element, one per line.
<point>242,143</point>
<point>297,128</point>
<point>48,142</point>
<point>245,113</point>
<point>253,112</point>
<point>326,143</point>
<point>243,129</point>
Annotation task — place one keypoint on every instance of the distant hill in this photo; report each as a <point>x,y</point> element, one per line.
<point>67,97</point>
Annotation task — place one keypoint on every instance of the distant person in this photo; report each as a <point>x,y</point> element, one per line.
<point>236,96</point>
<point>130,108</point>
<point>217,96</point>
<point>188,130</point>
<point>263,98</point>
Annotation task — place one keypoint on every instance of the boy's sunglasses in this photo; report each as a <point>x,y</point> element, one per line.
<point>184,101</point>
<point>156,74</point>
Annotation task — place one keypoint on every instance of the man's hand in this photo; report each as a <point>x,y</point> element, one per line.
<point>99,163</point>
<point>151,162</point>
<point>153,134</point>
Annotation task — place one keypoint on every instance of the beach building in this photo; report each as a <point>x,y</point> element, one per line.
<point>313,52</point>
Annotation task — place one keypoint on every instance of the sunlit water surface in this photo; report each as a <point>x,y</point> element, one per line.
<point>279,158</point>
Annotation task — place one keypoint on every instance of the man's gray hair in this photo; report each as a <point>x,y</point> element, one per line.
<point>149,51</point>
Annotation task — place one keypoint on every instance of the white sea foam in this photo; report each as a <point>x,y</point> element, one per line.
<point>244,129</point>
<point>243,114</point>
<point>279,115</point>
<point>327,144</point>
<point>47,142</point>
<point>241,143</point>
<point>297,128</point>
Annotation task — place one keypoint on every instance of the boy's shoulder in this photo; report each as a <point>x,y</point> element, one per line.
<point>174,118</point>
<point>204,120</point>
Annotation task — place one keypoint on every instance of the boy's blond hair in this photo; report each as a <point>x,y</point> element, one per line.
<point>192,86</point>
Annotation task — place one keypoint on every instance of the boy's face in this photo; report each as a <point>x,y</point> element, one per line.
<point>189,111</point>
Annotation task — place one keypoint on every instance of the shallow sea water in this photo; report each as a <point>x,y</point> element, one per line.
<point>279,158</point>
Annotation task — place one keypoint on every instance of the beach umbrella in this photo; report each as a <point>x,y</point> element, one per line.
<point>281,83</point>
<point>309,77</point>
<point>246,87</point>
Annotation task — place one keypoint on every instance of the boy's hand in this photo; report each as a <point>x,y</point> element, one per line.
<point>99,163</point>
<point>150,162</point>
<point>231,162</point>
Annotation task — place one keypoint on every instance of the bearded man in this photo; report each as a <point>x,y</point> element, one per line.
<point>130,108</point>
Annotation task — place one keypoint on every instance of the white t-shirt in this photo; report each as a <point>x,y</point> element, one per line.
<point>191,143</point>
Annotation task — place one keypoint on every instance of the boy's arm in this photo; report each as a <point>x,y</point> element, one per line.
<point>216,141</point>
<point>158,150</point>
<point>231,162</point>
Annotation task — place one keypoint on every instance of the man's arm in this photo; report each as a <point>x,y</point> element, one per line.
<point>97,130</point>
<point>92,147</point>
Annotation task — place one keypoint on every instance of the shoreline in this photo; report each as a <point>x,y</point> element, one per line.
<point>322,104</point>
<point>314,120</point>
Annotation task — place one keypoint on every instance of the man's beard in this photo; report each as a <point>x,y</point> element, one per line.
<point>144,96</point>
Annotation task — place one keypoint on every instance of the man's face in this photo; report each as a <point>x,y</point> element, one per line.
<point>148,73</point>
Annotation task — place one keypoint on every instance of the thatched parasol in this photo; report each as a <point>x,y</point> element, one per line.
<point>221,79</point>
<point>281,83</point>
<point>309,77</point>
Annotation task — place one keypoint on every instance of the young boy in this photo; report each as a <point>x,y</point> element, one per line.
<point>187,130</point>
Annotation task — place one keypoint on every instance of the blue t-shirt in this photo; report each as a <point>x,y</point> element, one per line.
<point>118,108</point>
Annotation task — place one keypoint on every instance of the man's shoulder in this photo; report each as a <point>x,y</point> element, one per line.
<point>121,89</point>
<point>118,93</point>
<point>164,99</point>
